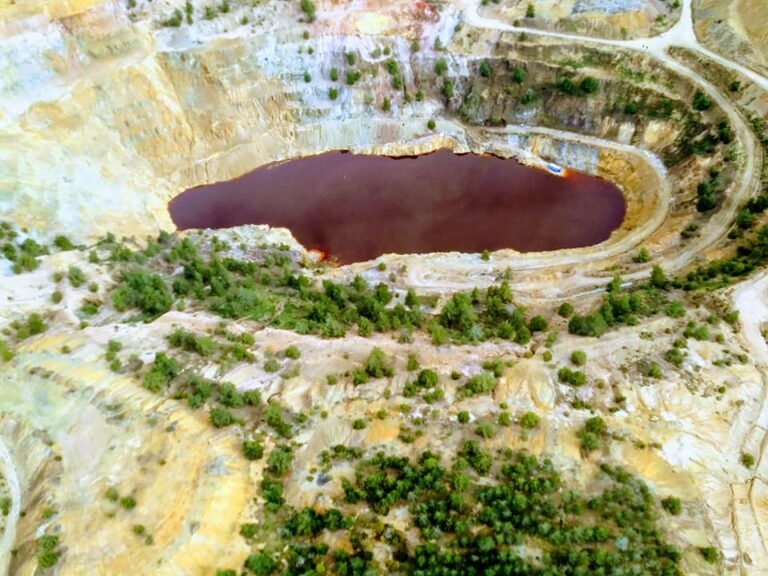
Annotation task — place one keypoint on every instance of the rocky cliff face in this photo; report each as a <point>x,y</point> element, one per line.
<point>735,28</point>
<point>104,116</point>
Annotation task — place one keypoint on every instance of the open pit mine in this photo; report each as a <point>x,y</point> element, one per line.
<point>357,288</point>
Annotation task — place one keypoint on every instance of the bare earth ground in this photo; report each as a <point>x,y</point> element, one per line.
<point>100,125</point>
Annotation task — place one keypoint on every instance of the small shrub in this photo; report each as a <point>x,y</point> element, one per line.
<point>747,460</point>
<point>292,352</point>
<point>529,421</point>
<point>280,460</point>
<point>485,430</point>
<point>674,356</point>
<point>654,371</point>
<point>480,384</point>
<point>253,449</point>
<point>701,101</point>
<point>642,256</point>
<point>260,564</point>
<point>76,276</point>
<point>63,243</point>
<point>249,530</point>
<point>358,424</point>
<point>538,324</point>
<point>672,505</point>
<point>710,554</point>
<point>530,11</point>
<point>174,20</point>
<point>572,377</point>
<point>220,417</point>
<point>594,429</point>
<point>589,86</point>
<point>143,290</point>
<point>565,310</point>
<point>271,365</point>
<point>352,77</point>
<point>578,358</point>
<point>308,7</point>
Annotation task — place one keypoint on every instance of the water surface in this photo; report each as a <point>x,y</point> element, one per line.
<point>357,207</point>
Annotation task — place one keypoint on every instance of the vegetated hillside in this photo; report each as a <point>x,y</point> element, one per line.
<point>244,344</point>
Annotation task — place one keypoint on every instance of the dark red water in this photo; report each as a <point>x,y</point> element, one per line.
<point>355,207</point>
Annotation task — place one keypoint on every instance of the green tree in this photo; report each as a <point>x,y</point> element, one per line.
<point>253,449</point>
<point>747,460</point>
<point>260,564</point>
<point>480,384</point>
<point>143,290</point>
<point>280,460</point>
<point>659,278</point>
<point>566,86</point>
<point>672,505</point>
<point>220,417</point>
<point>701,101</point>
<point>589,86</point>
<point>63,243</point>
<point>538,324</point>
<point>459,313</point>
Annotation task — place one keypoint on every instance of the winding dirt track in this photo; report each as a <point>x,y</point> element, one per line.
<point>439,273</point>
<point>681,34</point>
<point>9,535</point>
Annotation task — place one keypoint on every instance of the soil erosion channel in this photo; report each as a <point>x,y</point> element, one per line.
<point>357,207</point>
